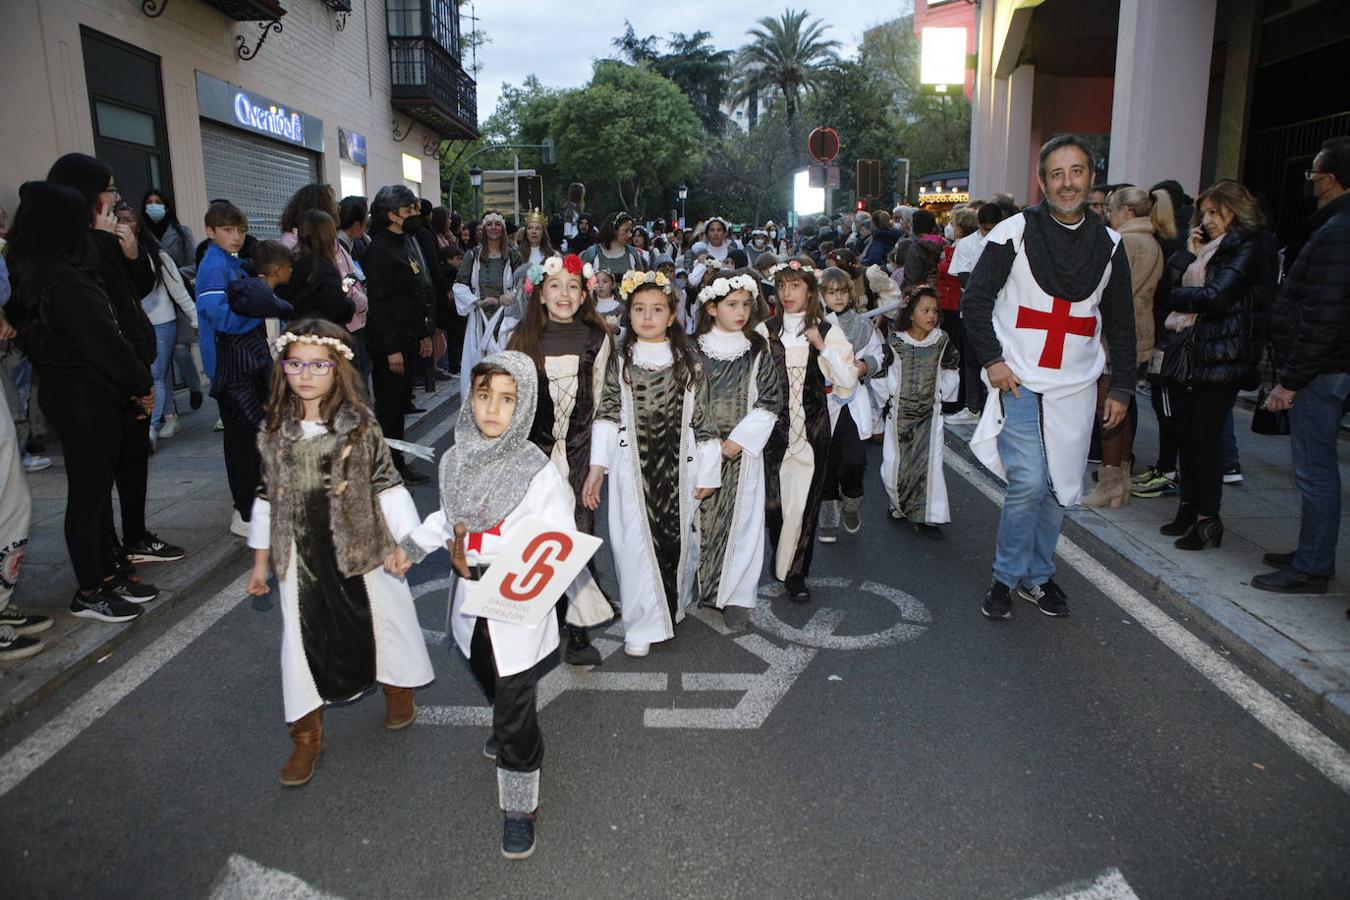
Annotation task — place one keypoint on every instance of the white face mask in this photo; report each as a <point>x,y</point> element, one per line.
<point>949,231</point>
<point>155,211</point>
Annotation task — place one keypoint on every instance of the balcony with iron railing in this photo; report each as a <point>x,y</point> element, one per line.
<point>430,87</point>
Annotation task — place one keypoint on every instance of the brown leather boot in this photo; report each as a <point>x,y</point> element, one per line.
<point>399,709</point>
<point>307,735</point>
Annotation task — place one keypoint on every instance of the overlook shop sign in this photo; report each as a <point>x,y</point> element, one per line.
<point>230,104</point>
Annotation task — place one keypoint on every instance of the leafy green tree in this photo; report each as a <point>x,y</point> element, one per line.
<point>747,177</point>
<point>787,56</point>
<point>692,62</point>
<point>854,102</point>
<point>630,130</point>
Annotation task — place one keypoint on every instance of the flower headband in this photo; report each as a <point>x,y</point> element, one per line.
<point>634,280</point>
<point>314,340</point>
<point>494,217</point>
<point>724,286</point>
<point>535,274</point>
<point>793,265</point>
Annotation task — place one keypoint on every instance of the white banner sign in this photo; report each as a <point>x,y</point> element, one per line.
<point>537,563</point>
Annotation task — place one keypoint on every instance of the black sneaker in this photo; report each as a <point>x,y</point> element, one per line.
<point>579,651</point>
<point>518,836</point>
<point>195,399</point>
<point>490,749</point>
<point>796,589</point>
<point>997,602</point>
<point>23,623</point>
<point>15,646</point>
<point>412,477</point>
<point>136,591</point>
<point>151,549</point>
<point>105,606</point>
<point>1048,597</point>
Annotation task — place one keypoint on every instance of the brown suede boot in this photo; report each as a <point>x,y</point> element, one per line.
<point>399,709</point>
<point>307,735</point>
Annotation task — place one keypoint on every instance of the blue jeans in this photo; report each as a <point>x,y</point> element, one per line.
<point>166,335</point>
<point>1314,431</point>
<point>1228,448</point>
<point>1029,525</point>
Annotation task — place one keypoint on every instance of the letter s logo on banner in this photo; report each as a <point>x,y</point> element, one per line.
<point>543,550</point>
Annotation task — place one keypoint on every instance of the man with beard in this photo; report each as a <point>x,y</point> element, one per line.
<point>1051,287</point>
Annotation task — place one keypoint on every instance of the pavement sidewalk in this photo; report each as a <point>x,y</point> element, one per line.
<point>187,503</point>
<point>1301,641</point>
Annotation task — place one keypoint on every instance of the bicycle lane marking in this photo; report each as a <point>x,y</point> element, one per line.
<point>1295,732</point>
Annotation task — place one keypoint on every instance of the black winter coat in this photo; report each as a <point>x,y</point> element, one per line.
<point>1239,281</point>
<point>1310,318</point>
<point>396,293</point>
<point>322,296</point>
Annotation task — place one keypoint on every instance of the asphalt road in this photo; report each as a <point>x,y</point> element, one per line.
<point>883,741</point>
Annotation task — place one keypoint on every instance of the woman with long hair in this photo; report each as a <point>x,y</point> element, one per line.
<point>351,278</point>
<point>176,239</point>
<point>317,287</point>
<point>1222,283</point>
<point>486,281</point>
<point>93,381</point>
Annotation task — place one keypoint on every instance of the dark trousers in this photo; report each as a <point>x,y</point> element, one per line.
<point>971,383</point>
<point>956,332</point>
<point>846,462</point>
<point>131,478</point>
<point>243,465</point>
<point>515,716</point>
<point>1198,416</point>
<point>1167,429</point>
<point>392,390</point>
<point>454,340</point>
<point>1314,432</point>
<point>87,418</point>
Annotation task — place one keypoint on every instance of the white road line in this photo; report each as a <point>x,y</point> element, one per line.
<point>30,753</point>
<point>244,879</point>
<point>1293,730</point>
<point>1109,885</point>
<point>450,411</point>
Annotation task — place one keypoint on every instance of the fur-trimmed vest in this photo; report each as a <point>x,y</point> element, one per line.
<point>361,469</point>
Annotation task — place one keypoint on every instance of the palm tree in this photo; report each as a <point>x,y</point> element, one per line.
<point>785,56</point>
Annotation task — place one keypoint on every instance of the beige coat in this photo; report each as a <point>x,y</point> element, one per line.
<point>1146,267</point>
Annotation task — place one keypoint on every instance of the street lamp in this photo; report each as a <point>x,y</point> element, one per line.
<point>682,192</point>
<point>476,182</point>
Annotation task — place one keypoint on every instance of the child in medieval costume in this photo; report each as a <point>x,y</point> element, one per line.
<point>491,480</point>
<point>654,436</point>
<point>746,397</point>
<point>814,360</point>
<point>921,369</point>
<point>483,294</point>
<point>329,514</point>
<point>607,301</point>
<point>850,417</point>
<point>570,345</point>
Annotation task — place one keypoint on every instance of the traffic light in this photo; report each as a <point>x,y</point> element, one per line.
<point>869,178</point>
<point>860,205</point>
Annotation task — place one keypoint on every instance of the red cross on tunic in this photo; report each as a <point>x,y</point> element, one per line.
<point>475,542</point>
<point>1058,323</point>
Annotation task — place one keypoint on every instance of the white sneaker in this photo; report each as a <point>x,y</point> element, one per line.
<point>237,525</point>
<point>964,417</point>
<point>636,649</point>
<point>169,427</point>
<point>33,463</point>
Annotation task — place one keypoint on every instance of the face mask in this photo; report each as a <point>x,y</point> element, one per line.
<point>949,232</point>
<point>155,211</point>
<point>411,224</point>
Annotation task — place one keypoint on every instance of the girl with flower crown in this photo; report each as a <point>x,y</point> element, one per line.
<point>814,361</point>
<point>654,436</point>
<point>483,288</point>
<point>328,517</point>
<point>745,399</point>
<point>570,345</point>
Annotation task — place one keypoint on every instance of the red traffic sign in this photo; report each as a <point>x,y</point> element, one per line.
<point>823,144</point>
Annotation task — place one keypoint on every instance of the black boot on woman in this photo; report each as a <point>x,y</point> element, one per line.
<point>1204,533</point>
<point>1182,523</point>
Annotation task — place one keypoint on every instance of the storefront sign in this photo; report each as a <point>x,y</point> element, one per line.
<point>221,101</point>
<point>352,146</point>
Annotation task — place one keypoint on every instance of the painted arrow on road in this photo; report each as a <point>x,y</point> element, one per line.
<point>244,879</point>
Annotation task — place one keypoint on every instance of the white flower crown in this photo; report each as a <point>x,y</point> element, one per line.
<point>794,265</point>
<point>314,340</point>
<point>724,286</point>
<point>494,217</point>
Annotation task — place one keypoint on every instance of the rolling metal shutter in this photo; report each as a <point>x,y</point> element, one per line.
<point>255,174</point>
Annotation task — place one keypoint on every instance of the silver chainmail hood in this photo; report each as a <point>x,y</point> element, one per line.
<point>483,479</point>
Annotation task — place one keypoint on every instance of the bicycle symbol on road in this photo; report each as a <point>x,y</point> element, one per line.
<point>760,692</point>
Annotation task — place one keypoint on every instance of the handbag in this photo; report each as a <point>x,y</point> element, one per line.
<point>1177,359</point>
<point>1269,421</point>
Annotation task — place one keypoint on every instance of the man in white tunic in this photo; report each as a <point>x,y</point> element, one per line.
<point>1049,298</point>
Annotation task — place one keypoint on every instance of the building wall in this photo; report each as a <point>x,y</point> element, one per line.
<point>342,77</point>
